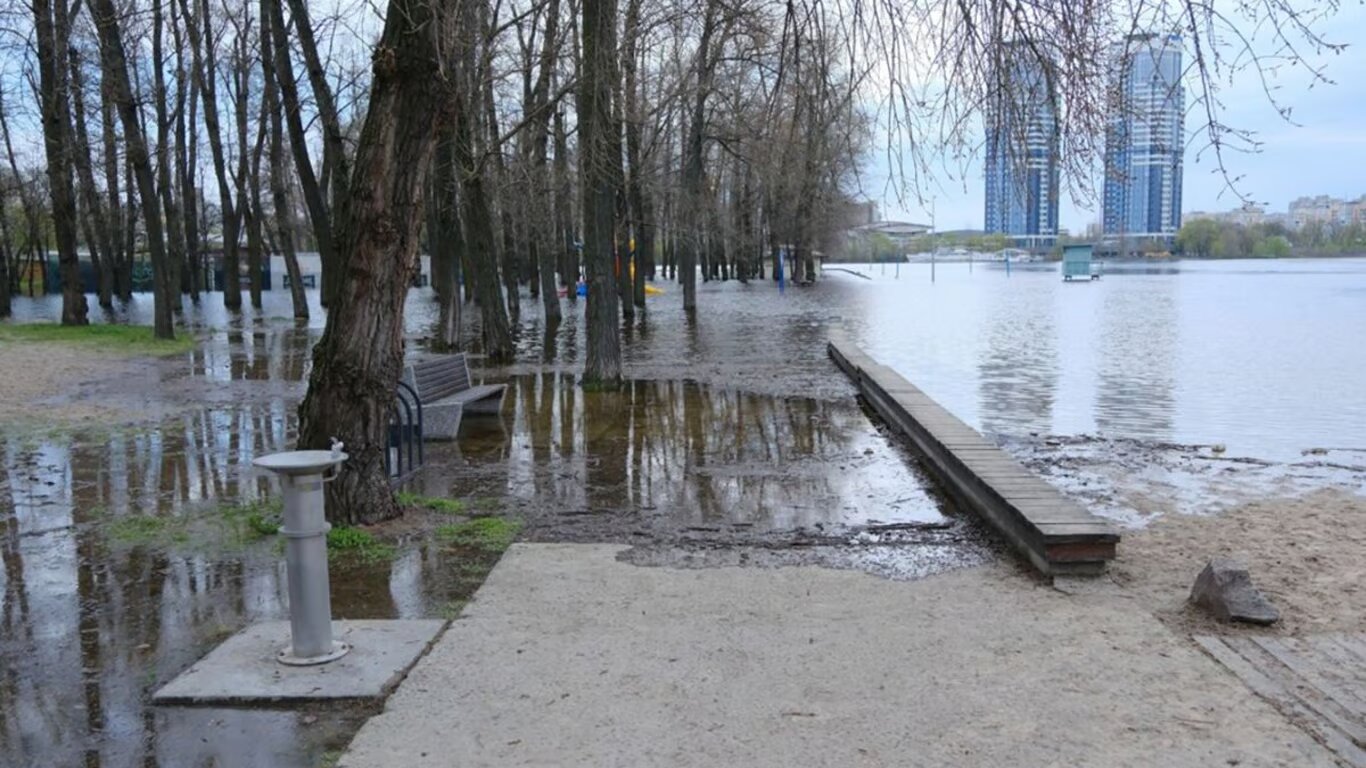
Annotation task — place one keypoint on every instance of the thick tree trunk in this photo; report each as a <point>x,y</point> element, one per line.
<point>116,66</point>
<point>51,28</point>
<point>357,363</point>
<point>279,189</point>
<point>596,77</point>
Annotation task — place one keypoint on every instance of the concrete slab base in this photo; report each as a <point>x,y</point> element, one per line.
<point>243,669</point>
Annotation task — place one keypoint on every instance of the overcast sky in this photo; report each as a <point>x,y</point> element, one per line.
<point>1324,154</point>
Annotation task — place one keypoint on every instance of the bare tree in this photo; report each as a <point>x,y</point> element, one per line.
<point>53,31</point>
<point>116,68</point>
<point>597,76</point>
<point>357,362</point>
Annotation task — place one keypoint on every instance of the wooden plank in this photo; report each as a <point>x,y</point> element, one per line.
<point>1277,665</point>
<point>1052,531</point>
<point>1333,700</point>
<point>1275,693</point>
<point>1339,665</point>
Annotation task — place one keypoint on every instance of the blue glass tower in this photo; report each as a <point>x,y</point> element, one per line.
<point>1022,152</point>
<point>1144,139</point>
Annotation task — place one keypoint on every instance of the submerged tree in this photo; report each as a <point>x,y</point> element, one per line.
<point>356,364</point>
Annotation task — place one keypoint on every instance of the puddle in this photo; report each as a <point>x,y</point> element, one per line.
<point>669,458</point>
<point>124,560</point>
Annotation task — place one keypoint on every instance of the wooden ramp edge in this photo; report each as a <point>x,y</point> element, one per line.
<point>1055,533</point>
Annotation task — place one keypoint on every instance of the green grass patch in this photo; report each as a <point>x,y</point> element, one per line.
<point>491,534</point>
<point>434,503</point>
<point>144,529</point>
<point>345,541</point>
<point>117,339</point>
<point>254,519</point>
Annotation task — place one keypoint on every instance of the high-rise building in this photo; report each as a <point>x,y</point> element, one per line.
<point>1022,152</point>
<point>1144,138</point>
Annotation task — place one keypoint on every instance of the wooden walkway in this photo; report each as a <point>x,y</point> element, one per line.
<point>1318,682</point>
<point>1056,534</point>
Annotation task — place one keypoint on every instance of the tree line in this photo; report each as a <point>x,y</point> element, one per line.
<point>522,143</point>
<point>1212,239</point>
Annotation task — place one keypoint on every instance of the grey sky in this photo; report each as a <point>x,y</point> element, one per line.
<point>1324,154</point>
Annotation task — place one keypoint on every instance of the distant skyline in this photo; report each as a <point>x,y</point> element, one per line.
<point>1323,154</point>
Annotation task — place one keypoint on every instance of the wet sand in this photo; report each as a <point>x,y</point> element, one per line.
<point>1307,553</point>
<point>568,656</point>
<point>38,381</point>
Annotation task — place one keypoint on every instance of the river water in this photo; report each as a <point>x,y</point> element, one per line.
<point>1265,357</point>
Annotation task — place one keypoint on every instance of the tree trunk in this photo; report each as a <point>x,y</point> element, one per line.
<point>642,253</point>
<point>168,288</point>
<point>206,73</point>
<point>602,369</point>
<point>445,240</point>
<point>567,255</point>
<point>357,363</point>
<point>481,246</point>
<point>186,168</point>
<point>334,145</point>
<point>101,244</point>
<point>279,190</point>
<point>110,278</point>
<point>116,66</point>
<point>51,28</point>
<point>318,214</point>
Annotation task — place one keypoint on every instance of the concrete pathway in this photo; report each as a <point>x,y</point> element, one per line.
<point>568,657</point>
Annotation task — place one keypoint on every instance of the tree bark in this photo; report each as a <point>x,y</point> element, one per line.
<point>116,67</point>
<point>357,363</point>
<point>52,30</point>
<point>602,369</point>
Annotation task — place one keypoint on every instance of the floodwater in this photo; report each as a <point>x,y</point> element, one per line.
<point>735,442</point>
<point>692,469</point>
<point>1266,358</point>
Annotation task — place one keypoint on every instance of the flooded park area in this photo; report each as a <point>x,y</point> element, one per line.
<point>135,535</point>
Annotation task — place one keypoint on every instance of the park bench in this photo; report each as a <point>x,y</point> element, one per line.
<point>447,392</point>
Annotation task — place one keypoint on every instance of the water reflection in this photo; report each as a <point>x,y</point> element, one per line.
<point>678,455</point>
<point>1140,336</point>
<point>97,614</point>
<point>1018,368</point>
